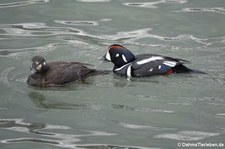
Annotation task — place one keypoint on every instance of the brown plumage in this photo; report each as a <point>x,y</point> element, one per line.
<point>57,73</point>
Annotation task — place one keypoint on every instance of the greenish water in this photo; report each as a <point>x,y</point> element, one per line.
<point>110,111</point>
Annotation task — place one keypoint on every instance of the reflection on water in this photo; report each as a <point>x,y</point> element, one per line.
<point>40,101</point>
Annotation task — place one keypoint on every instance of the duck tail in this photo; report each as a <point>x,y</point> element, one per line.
<point>183,69</point>
<point>197,71</point>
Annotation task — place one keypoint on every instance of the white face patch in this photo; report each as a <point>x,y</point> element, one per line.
<point>107,56</point>
<point>44,63</point>
<point>124,58</point>
<point>39,67</point>
<point>117,55</point>
<point>147,60</point>
<point>170,63</point>
<point>36,63</point>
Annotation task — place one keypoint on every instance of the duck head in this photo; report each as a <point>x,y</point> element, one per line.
<point>118,55</point>
<point>38,65</point>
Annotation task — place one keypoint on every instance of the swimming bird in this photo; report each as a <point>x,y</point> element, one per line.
<point>144,65</point>
<point>59,73</point>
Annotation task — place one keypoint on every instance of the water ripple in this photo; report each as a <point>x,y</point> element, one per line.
<point>23,52</point>
<point>78,23</point>
<point>219,10</point>
<point>153,4</point>
<point>140,33</point>
<point>93,1</point>
<point>4,76</point>
<point>187,135</point>
<point>65,140</point>
<point>22,3</point>
<point>135,35</point>
<point>36,29</point>
<point>140,109</point>
<point>135,126</point>
<point>57,139</point>
<point>220,114</point>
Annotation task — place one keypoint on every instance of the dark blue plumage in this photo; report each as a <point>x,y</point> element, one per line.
<point>143,65</point>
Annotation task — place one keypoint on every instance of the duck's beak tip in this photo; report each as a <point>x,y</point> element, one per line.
<point>103,58</point>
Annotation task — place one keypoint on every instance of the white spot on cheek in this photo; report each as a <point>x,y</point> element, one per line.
<point>107,56</point>
<point>44,63</point>
<point>159,66</point>
<point>151,69</point>
<point>124,58</point>
<point>37,63</point>
<point>117,55</point>
<point>39,67</point>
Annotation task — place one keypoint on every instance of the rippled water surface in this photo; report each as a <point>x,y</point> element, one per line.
<point>110,111</point>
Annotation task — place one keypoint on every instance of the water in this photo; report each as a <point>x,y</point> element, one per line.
<point>110,111</point>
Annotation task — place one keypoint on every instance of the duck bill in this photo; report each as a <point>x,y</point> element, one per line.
<point>33,71</point>
<point>104,59</point>
<point>107,57</point>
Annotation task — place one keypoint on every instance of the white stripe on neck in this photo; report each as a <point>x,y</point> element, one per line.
<point>129,71</point>
<point>120,68</point>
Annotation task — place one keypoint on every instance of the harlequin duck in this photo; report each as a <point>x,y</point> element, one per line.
<point>57,73</point>
<point>143,65</point>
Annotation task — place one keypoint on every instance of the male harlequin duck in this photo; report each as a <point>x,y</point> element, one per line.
<point>57,73</point>
<point>143,65</point>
